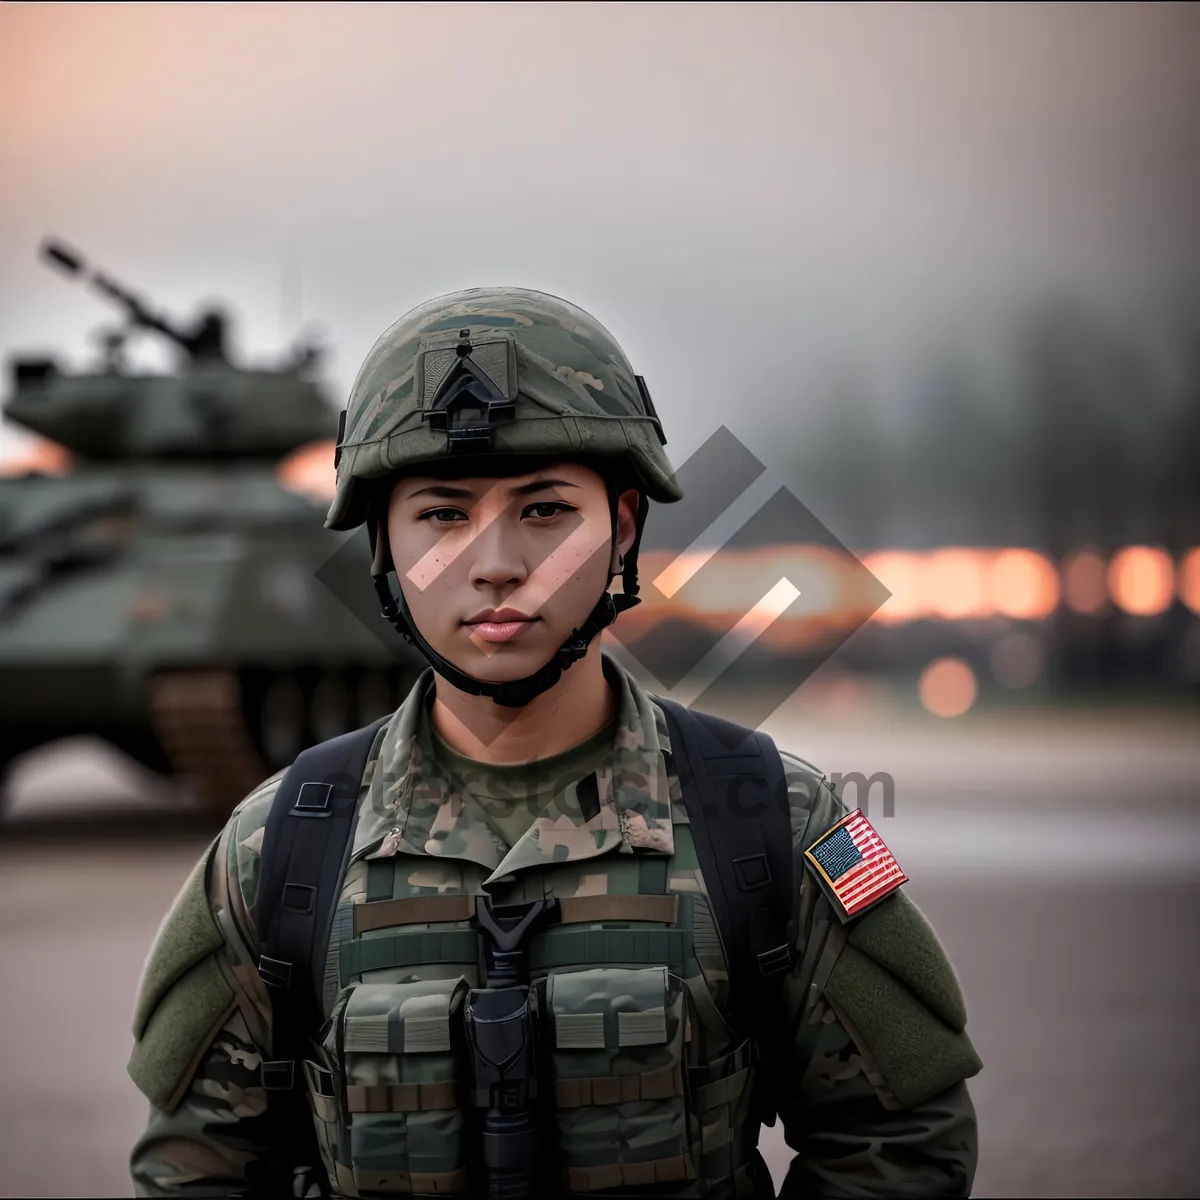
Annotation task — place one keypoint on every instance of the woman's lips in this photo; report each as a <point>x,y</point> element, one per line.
<point>500,631</point>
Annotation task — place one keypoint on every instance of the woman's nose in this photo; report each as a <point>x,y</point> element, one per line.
<point>496,555</point>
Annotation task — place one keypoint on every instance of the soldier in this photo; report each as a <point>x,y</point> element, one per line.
<point>533,968</point>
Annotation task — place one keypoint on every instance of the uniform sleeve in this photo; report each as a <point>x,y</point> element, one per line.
<point>875,1101</point>
<point>202,1029</point>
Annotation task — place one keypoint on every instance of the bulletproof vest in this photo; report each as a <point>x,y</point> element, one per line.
<point>568,1032</point>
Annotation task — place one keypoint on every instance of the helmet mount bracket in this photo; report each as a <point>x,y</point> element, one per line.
<point>467,404</point>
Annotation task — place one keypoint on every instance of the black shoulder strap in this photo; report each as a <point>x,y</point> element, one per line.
<point>736,797</point>
<point>301,867</point>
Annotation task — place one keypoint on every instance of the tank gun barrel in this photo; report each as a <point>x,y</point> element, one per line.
<point>205,341</point>
<point>58,254</point>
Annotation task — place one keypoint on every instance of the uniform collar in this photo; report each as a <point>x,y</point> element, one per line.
<point>623,808</point>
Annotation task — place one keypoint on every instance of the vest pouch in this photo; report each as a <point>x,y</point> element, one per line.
<point>720,1096</point>
<point>617,1051</point>
<point>324,1092</point>
<point>401,1127</point>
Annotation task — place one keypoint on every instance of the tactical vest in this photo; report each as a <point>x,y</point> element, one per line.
<point>640,1072</point>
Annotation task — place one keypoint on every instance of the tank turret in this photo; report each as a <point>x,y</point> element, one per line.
<point>210,408</point>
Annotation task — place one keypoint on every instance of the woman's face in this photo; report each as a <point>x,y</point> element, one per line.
<point>497,572</point>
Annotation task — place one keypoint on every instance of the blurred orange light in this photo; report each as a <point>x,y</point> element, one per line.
<point>824,590</point>
<point>44,457</point>
<point>953,584</point>
<point>947,687</point>
<point>1189,579</point>
<point>309,471</point>
<point>722,590</point>
<point>1141,580</point>
<point>1023,584</point>
<point>1083,581</point>
<point>900,573</point>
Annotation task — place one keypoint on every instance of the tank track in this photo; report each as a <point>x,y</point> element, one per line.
<point>213,725</point>
<point>199,721</point>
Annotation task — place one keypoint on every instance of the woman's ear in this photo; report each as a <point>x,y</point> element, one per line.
<point>379,509</point>
<point>627,509</point>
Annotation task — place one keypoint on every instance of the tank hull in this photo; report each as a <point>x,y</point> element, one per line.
<point>211,628</point>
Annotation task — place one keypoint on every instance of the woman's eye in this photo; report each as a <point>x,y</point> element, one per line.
<point>443,516</point>
<point>547,508</point>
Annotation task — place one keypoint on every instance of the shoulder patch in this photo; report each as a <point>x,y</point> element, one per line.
<point>917,1054</point>
<point>183,996</point>
<point>896,994</point>
<point>179,1031</point>
<point>187,934</point>
<point>853,866</point>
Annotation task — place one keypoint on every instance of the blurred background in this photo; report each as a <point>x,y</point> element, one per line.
<point>935,268</point>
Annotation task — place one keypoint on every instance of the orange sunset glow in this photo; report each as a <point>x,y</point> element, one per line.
<point>309,470</point>
<point>43,457</point>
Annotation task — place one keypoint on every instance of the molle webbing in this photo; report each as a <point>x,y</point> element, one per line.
<point>676,1169</point>
<point>619,1089</point>
<point>411,910</point>
<point>456,946</point>
<point>584,910</point>
<point>555,948</point>
<point>574,910</point>
<point>402,1097</point>
<point>409,1183</point>
<point>720,1091</point>
<point>610,948</point>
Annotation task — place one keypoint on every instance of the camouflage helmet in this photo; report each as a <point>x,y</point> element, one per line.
<point>495,371</point>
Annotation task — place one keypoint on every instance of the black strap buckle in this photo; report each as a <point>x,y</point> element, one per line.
<point>752,872</point>
<point>314,800</point>
<point>279,1076</point>
<point>275,972</point>
<point>299,898</point>
<point>771,962</point>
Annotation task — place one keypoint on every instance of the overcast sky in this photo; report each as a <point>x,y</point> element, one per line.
<point>752,198</point>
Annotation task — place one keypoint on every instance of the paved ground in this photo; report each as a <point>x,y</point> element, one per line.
<point>1061,868</point>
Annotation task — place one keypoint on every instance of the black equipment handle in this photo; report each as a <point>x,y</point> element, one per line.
<point>501,1022</point>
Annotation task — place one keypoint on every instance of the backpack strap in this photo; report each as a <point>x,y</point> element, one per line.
<point>301,867</point>
<point>735,792</point>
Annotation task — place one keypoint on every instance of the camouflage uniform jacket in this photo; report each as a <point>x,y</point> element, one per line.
<point>875,1103</point>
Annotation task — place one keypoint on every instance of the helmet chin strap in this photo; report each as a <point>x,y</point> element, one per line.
<point>515,693</point>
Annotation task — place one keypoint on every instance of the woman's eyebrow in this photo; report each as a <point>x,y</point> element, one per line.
<point>443,491</point>
<point>539,484</point>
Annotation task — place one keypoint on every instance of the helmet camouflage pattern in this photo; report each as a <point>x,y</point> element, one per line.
<point>498,371</point>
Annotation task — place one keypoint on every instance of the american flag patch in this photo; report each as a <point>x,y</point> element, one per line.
<point>853,866</point>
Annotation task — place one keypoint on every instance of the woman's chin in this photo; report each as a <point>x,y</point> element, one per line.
<point>498,662</point>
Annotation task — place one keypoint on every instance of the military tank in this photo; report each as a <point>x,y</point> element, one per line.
<point>168,593</point>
